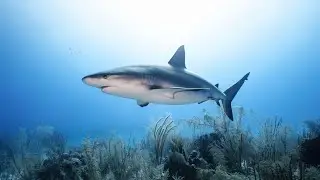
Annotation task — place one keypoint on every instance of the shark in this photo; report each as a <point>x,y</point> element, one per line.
<point>173,84</point>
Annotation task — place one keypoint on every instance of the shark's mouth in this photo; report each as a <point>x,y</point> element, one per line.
<point>102,87</point>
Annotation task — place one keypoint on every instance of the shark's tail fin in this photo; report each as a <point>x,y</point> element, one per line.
<point>230,94</point>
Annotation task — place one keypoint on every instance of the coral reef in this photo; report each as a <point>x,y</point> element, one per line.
<point>218,149</point>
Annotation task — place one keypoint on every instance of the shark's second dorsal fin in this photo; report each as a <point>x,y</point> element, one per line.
<point>178,59</point>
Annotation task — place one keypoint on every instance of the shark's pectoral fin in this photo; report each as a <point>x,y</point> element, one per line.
<point>142,103</point>
<point>172,91</point>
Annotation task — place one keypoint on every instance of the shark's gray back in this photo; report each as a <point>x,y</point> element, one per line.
<point>167,75</point>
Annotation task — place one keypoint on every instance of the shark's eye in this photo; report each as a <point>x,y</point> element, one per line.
<point>105,76</point>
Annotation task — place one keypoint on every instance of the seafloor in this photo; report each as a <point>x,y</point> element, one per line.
<point>218,149</point>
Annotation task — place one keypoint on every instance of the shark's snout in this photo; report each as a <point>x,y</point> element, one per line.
<point>92,80</point>
<point>87,80</point>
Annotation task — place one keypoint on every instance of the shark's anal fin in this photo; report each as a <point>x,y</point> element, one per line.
<point>218,103</point>
<point>178,59</point>
<point>142,103</point>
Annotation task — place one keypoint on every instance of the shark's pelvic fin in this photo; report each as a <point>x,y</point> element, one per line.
<point>142,103</point>
<point>217,102</point>
<point>178,59</point>
<point>202,101</point>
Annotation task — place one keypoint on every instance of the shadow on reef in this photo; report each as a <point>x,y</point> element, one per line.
<point>310,151</point>
<point>178,166</point>
<point>204,144</point>
<point>70,165</point>
<point>188,170</point>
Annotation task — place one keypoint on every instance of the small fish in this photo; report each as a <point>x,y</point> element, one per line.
<point>172,85</point>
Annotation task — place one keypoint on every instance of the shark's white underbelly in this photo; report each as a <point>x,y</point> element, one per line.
<point>157,96</point>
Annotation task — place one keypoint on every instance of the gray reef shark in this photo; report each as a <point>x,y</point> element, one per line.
<point>172,84</point>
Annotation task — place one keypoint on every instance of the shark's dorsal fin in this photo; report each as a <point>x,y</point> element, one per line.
<point>178,59</point>
<point>217,85</point>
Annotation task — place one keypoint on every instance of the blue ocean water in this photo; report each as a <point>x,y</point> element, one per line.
<point>46,47</point>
